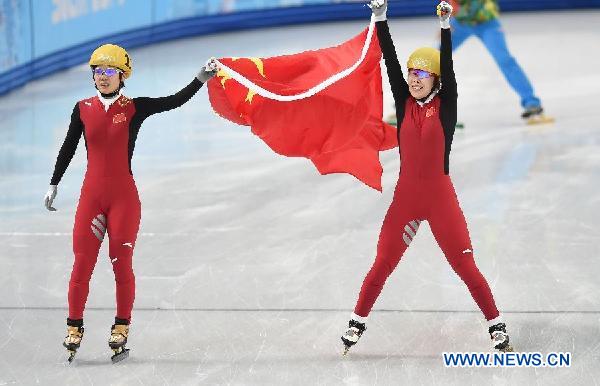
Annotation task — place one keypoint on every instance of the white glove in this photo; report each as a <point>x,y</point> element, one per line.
<point>444,10</point>
<point>379,9</point>
<point>209,70</point>
<point>50,195</point>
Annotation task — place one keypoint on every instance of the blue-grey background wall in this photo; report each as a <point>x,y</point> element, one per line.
<point>38,37</point>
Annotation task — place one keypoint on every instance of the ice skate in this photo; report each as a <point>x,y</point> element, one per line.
<point>117,341</point>
<point>73,340</point>
<point>499,337</point>
<point>353,334</point>
<point>536,116</point>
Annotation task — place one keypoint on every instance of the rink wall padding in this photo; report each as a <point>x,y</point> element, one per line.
<point>202,25</point>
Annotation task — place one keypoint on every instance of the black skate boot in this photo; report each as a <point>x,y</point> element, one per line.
<point>74,336</point>
<point>352,334</point>
<point>500,338</point>
<point>118,338</point>
<point>535,115</point>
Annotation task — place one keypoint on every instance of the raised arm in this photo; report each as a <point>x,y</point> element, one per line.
<point>394,70</point>
<point>448,78</point>
<point>448,94</point>
<point>148,106</point>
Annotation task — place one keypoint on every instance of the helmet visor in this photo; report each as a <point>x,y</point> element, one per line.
<point>109,71</point>
<point>421,74</point>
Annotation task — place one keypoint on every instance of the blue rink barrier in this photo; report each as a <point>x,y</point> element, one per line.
<point>37,42</point>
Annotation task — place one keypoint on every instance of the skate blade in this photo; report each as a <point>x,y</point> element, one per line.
<point>540,120</point>
<point>71,346</point>
<point>346,349</point>
<point>71,355</point>
<point>118,357</point>
<point>72,350</point>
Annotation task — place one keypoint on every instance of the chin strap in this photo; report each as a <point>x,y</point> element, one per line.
<point>108,99</point>
<point>423,101</point>
<point>111,95</point>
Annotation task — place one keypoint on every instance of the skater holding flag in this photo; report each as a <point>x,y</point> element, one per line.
<point>426,116</point>
<point>109,202</point>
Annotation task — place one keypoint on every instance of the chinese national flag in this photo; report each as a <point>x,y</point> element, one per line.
<point>339,129</point>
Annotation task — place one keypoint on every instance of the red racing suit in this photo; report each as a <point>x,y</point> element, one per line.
<point>109,201</point>
<point>424,190</point>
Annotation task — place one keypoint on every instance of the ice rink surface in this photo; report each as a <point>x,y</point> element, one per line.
<point>248,264</point>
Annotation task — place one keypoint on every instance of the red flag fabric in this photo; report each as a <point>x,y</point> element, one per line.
<point>339,129</point>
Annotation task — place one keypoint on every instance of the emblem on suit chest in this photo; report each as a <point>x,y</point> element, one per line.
<point>118,118</point>
<point>430,111</point>
<point>123,101</point>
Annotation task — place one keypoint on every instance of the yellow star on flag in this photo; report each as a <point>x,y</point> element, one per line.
<point>259,66</point>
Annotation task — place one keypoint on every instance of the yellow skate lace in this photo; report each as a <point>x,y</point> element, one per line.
<point>74,336</point>
<point>119,333</point>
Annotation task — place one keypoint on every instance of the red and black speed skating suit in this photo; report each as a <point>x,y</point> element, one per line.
<point>109,201</point>
<point>424,190</point>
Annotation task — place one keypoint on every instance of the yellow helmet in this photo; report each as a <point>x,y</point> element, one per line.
<point>114,56</point>
<point>426,59</point>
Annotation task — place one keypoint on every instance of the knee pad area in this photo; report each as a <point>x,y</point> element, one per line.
<point>464,265</point>
<point>507,62</point>
<point>83,266</point>
<point>121,253</point>
<point>462,260</point>
<point>378,275</point>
